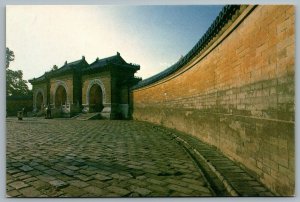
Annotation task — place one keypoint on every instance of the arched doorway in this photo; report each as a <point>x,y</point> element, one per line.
<point>95,99</point>
<point>39,101</point>
<point>60,96</point>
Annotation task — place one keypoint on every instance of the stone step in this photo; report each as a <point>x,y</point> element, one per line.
<point>88,116</point>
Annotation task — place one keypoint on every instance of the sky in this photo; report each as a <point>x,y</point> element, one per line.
<point>155,37</point>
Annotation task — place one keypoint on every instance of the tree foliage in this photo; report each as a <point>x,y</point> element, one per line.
<point>55,67</point>
<point>10,56</point>
<point>15,85</point>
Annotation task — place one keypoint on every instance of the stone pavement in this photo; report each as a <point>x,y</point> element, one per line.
<point>225,176</point>
<point>102,158</point>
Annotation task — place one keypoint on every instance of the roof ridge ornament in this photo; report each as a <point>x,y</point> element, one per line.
<point>66,62</point>
<point>118,54</point>
<point>83,58</point>
<point>97,59</point>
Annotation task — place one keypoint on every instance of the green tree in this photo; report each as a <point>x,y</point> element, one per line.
<point>15,85</point>
<point>55,67</point>
<point>10,56</point>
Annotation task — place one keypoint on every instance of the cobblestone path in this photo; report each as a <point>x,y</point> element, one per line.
<point>69,158</point>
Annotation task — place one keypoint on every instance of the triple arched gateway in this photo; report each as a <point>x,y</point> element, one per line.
<point>78,87</point>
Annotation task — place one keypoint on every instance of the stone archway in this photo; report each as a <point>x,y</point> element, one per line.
<point>39,101</point>
<point>92,83</point>
<point>95,98</point>
<point>96,90</point>
<point>60,96</point>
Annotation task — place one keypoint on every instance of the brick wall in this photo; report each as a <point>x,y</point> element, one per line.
<point>239,97</point>
<point>17,103</point>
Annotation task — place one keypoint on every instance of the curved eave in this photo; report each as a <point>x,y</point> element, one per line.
<point>33,82</point>
<point>127,66</point>
<point>38,80</point>
<point>109,65</point>
<point>95,69</point>
<point>55,73</point>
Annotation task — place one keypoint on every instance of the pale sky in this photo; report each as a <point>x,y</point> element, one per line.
<point>154,37</point>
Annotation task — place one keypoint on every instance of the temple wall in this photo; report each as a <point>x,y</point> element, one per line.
<point>18,103</point>
<point>238,97</point>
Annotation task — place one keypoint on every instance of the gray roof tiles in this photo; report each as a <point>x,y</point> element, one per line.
<point>83,66</point>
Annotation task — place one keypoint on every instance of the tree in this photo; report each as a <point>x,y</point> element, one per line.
<point>10,56</point>
<point>15,85</point>
<point>55,67</point>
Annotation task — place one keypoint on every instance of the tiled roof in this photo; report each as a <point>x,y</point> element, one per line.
<point>77,65</point>
<point>66,67</point>
<point>41,78</point>
<point>115,59</point>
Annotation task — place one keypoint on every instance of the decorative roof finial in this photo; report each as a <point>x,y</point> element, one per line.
<point>66,63</point>
<point>118,53</point>
<point>83,58</point>
<point>97,59</point>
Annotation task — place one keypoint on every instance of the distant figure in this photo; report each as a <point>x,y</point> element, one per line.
<point>48,112</point>
<point>20,114</point>
<point>24,112</point>
<point>45,111</point>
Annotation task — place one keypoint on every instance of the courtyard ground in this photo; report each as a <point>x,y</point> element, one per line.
<point>102,158</point>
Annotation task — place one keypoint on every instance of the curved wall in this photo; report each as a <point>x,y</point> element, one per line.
<point>238,96</point>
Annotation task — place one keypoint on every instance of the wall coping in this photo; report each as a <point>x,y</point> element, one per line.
<point>215,34</point>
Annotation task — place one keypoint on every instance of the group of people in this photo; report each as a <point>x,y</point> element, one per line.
<point>23,112</point>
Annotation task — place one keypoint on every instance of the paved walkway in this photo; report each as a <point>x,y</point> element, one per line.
<point>70,158</point>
